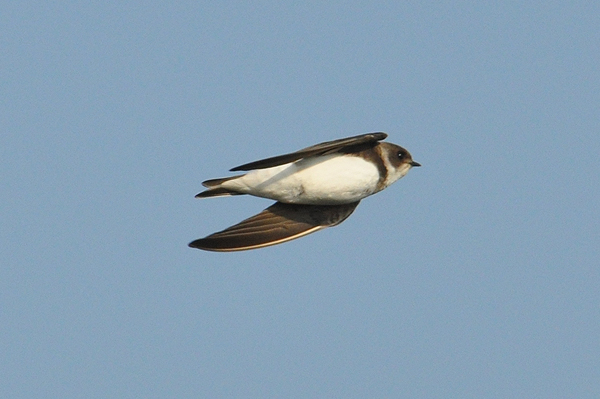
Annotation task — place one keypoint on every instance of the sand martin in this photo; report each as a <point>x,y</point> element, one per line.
<point>315,188</point>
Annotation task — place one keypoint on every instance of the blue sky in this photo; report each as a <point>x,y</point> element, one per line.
<point>475,276</point>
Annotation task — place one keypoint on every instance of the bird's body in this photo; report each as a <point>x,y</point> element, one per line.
<point>325,180</point>
<point>316,187</point>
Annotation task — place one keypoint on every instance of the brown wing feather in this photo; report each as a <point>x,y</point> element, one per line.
<point>317,149</point>
<point>277,224</point>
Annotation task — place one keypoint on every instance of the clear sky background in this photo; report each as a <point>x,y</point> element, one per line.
<point>475,276</point>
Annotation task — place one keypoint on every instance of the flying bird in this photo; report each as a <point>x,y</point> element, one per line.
<point>315,188</point>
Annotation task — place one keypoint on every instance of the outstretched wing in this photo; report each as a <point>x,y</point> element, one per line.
<point>278,223</point>
<point>318,149</point>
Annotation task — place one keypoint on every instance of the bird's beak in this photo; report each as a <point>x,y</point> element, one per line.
<point>413,163</point>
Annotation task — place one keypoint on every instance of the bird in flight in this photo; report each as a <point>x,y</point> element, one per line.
<point>315,188</point>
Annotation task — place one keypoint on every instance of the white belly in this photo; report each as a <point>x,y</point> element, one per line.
<point>331,179</point>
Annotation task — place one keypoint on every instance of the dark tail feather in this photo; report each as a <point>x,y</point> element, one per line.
<point>217,192</point>
<point>217,182</point>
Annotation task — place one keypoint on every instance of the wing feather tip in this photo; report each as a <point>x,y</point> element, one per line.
<point>200,244</point>
<point>195,244</point>
<point>379,135</point>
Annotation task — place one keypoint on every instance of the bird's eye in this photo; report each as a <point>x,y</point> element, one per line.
<point>401,155</point>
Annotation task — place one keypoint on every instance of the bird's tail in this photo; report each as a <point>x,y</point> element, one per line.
<point>215,189</point>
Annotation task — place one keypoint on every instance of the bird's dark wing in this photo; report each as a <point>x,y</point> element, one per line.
<point>318,149</point>
<point>278,223</point>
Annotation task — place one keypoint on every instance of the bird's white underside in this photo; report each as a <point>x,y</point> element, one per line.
<point>324,180</point>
